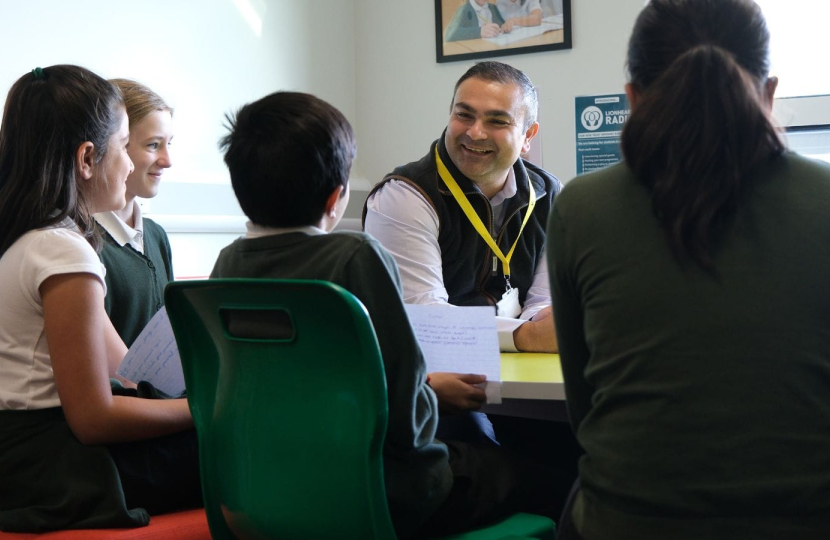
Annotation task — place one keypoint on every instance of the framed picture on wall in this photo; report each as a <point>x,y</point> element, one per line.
<point>467,29</point>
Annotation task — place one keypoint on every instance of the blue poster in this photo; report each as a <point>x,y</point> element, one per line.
<point>599,123</point>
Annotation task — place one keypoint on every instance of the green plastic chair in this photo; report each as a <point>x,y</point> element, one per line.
<point>286,386</point>
<point>512,528</point>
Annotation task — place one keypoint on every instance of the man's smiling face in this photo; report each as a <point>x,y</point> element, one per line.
<point>485,134</point>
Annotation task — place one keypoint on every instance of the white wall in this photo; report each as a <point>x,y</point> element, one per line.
<point>373,59</point>
<point>206,60</point>
<point>200,55</point>
<point>403,95</point>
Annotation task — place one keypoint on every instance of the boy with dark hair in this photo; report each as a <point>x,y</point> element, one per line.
<point>289,156</point>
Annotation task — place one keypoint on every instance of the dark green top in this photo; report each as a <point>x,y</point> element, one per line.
<point>135,281</point>
<point>702,402</point>
<point>51,481</point>
<point>464,24</point>
<point>466,259</point>
<point>416,466</point>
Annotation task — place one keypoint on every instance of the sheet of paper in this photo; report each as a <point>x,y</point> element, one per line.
<point>154,357</point>
<point>460,340</point>
<point>523,32</point>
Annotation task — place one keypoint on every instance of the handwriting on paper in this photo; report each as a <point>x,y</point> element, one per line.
<point>154,357</point>
<point>459,340</point>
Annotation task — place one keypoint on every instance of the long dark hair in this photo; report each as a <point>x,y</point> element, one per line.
<point>48,114</point>
<point>701,122</point>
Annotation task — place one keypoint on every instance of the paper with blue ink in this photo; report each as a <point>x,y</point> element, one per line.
<point>459,340</point>
<point>154,357</point>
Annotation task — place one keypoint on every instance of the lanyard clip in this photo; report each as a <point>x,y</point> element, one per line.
<point>507,282</point>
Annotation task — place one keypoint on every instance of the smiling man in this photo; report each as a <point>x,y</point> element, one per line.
<point>492,254</point>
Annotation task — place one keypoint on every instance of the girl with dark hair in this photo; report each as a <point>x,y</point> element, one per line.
<point>63,156</point>
<point>691,299</point>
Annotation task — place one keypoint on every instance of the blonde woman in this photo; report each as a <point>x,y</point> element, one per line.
<point>136,251</point>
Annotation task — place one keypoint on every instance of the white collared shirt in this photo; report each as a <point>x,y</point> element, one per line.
<point>122,233</point>
<point>258,231</point>
<point>26,377</point>
<point>407,226</point>
<point>485,16</point>
<point>512,10</point>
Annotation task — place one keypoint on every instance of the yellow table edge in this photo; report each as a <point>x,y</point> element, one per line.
<point>531,376</point>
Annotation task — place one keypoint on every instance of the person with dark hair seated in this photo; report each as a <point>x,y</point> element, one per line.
<point>289,156</point>
<point>691,293</point>
<point>72,454</point>
<point>490,254</point>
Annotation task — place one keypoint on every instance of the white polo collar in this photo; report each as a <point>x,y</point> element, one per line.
<point>258,231</point>
<point>122,233</point>
<point>483,11</point>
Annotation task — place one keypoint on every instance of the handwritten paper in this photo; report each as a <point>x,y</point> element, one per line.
<point>459,340</point>
<point>154,357</point>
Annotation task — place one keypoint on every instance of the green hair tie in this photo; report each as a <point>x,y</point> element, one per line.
<point>38,73</point>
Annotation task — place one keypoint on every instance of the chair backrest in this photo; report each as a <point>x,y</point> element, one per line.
<point>287,389</point>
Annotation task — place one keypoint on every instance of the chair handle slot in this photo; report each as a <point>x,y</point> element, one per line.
<point>269,324</point>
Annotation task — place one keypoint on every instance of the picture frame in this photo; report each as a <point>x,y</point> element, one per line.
<point>458,29</point>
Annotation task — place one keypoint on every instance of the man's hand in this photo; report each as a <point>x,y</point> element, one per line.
<point>537,334</point>
<point>490,30</point>
<point>507,27</point>
<point>455,391</point>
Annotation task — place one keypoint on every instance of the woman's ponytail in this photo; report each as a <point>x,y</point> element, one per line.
<point>699,125</point>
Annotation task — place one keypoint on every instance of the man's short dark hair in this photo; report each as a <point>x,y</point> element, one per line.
<point>286,153</point>
<point>505,74</point>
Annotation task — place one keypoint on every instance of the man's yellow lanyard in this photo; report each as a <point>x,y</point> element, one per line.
<point>476,221</point>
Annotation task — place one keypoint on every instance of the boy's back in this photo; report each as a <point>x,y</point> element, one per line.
<point>416,466</point>
<point>290,155</point>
